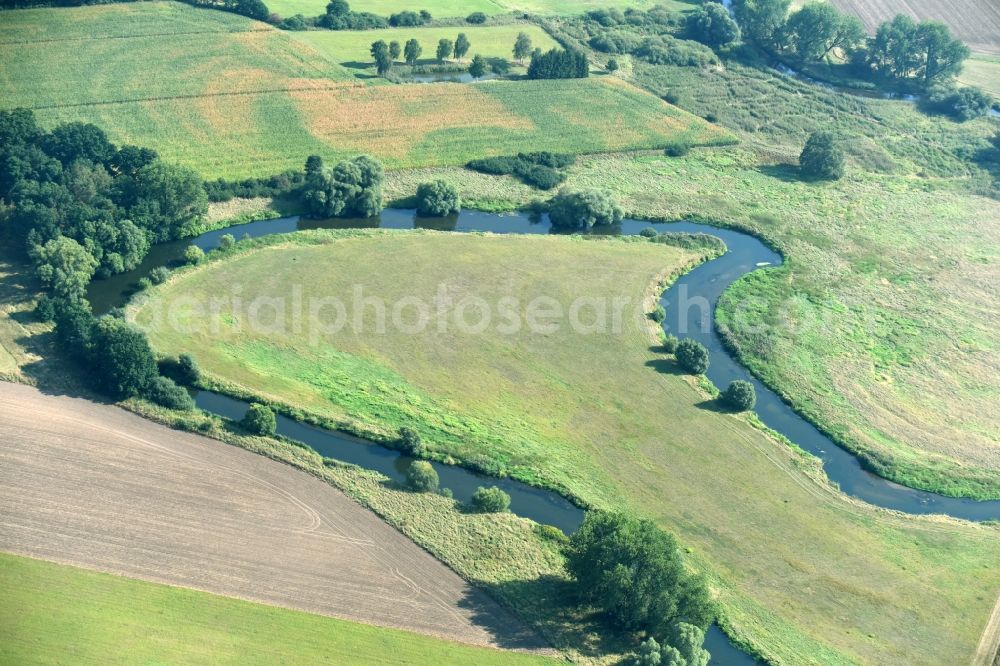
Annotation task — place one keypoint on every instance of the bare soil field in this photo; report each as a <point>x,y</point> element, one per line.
<point>976,22</point>
<point>95,486</point>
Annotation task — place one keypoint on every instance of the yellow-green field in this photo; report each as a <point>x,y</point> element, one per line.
<point>804,574</point>
<point>351,47</point>
<point>255,102</point>
<point>462,8</point>
<point>982,71</point>
<point>57,614</point>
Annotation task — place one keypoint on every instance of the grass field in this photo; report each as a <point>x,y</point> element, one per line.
<point>836,584</point>
<point>254,103</point>
<point>976,22</point>
<point>462,8</point>
<point>52,613</point>
<point>350,48</point>
<point>983,71</point>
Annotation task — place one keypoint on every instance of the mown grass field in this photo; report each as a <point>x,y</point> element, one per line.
<point>607,418</point>
<point>53,613</point>
<point>256,102</point>
<point>983,71</point>
<point>350,48</point>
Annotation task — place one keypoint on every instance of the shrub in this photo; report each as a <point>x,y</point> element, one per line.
<point>711,24</point>
<point>123,363</point>
<point>677,149</point>
<point>405,19</point>
<point>658,314</point>
<point>739,395</point>
<point>583,209</point>
<point>551,533</point>
<point>193,254</point>
<point>670,343</point>
<point>188,371</point>
<point>437,199</point>
<point>421,477</point>
<point>536,169</point>
<point>410,442</point>
<point>961,104</point>
<point>297,22</point>
<point>476,18</point>
<point>648,232</point>
<point>822,158</point>
<point>692,356</point>
<point>165,392</point>
<point>490,500</point>
<point>477,68</point>
<point>144,283</point>
<point>45,309</point>
<point>159,275</point>
<point>613,65</point>
<point>260,420</point>
<point>540,176</point>
<point>226,242</point>
<point>353,188</point>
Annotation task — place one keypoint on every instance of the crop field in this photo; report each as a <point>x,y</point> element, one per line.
<point>72,615</point>
<point>462,8</point>
<point>982,71</point>
<point>95,486</point>
<point>976,22</point>
<point>257,102</point>
<point>350,48</point>
<point>837,583</point>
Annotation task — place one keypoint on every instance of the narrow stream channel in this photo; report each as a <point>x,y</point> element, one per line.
<point>699,290</point>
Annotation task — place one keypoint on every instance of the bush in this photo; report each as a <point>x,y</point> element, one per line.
<point>583,209</point>
<point>739,395</point>
<point>123,364</point>
<point>670,343</point>
<point>963,104</point>
<point>476,18</point>
<point>711,24</point>
<point>490,500</point>
<point>226,242</point>
<point>437,199</point>
<point>648,232</point>
<point>188,371</point>
<point>551,533</point>
<point>165,392</point>
<point>677,149</point>
<point>540,176</point>
<point>193,254</point>
<point>409,442</point>
<point>536,169</point>
<point>658,314</point>
<point>822,158</point>
<point>613,65</point>
<point>421,477</point>
<point>144,283</point>
<point>353,188</point>
<point>405,20</point>
<point>260,420</point>
<point>692,356</point>
<point>297,22</point>
<point>45,309</point>
<point>159,275</point>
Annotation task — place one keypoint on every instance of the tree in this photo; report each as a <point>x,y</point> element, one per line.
<point>165,392</point>
<point>760,20</point>
<point>314,165</point>
<point>477,68</point>
<point>613,65</point>
<point>425,16</point>
<point>78,141</point>
<point>420,476</point>
<point>119,246</point>
<point>168,200</point>
<point>818,28</point>
<point>943,54</point>
<point>122,362</point>
<point>822,158</point>
<point>462,45</point>
<point>382,55</point>
<point>926,51</point>
<point>559,64</point>
<point>634,572</point>
<point>395,50</point>
<point>891,52</point>
<point>490,500</point>
<point>437,199</point>
<point>378,47</point>
<point>712,25</point>
<point>74,326</point>
<point>260,420</point>
<point>227,242</point>
<point>193,254</point>
<point>444,49</point>
<point>405,19</point>
<point>410,442</point>
<point>65,267</point>
<point>338,8</point>
<point>583,209</point>
<point>692,356</point>
<point>688,640</point>
<point>522,46</point>
<point>499,66</point>
<point>739,395</point>
<point>353,188</point>
<point>412,51</point>
<point>476,18</point>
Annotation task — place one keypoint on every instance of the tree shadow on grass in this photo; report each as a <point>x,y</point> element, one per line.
<point>788,173</point>
<point>666,366</point>
<point>713,406</point>
<point>548,605</point>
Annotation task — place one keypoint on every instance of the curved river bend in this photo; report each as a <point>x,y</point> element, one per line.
<point>690,304</point>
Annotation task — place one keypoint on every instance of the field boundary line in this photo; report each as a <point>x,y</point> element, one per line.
<point>988,650</point>
<point>22,42</point>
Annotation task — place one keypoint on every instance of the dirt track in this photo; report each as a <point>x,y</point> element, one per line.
<point>976,22</point>
<point>95,486</point>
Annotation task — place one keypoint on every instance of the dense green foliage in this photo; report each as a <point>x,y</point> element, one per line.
<point>539,169</point>
<point>409,442</point>
<point>711,24</point>
<point>822,158</point>
<point>925,52</point>
<point>71,191</point>
<point>339,16</point>
<point>421,477</point>
<point>193,254</point>
<point>761,20</point>
<point>182,369</point>
<point>462,45</point>
<point>412,51</point>
<point>444,50</point>
<point>633,571</point>
<point>477,68</point>
<point>353,188</point>
<point>818,29</point>
<point>559,64</point>
<point>684,649</point>
<point>163,391</point>
<point>260,420</point>
<point>962,104</point>
<point>739,395</point>
<point>692,356</point>
<point>522,46</point>
<point>583,209</point>
<point>437,199</point>
<point>121,361</point>
<point>476,18</point>
<point>282,184</point>
<point>490,500</point>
